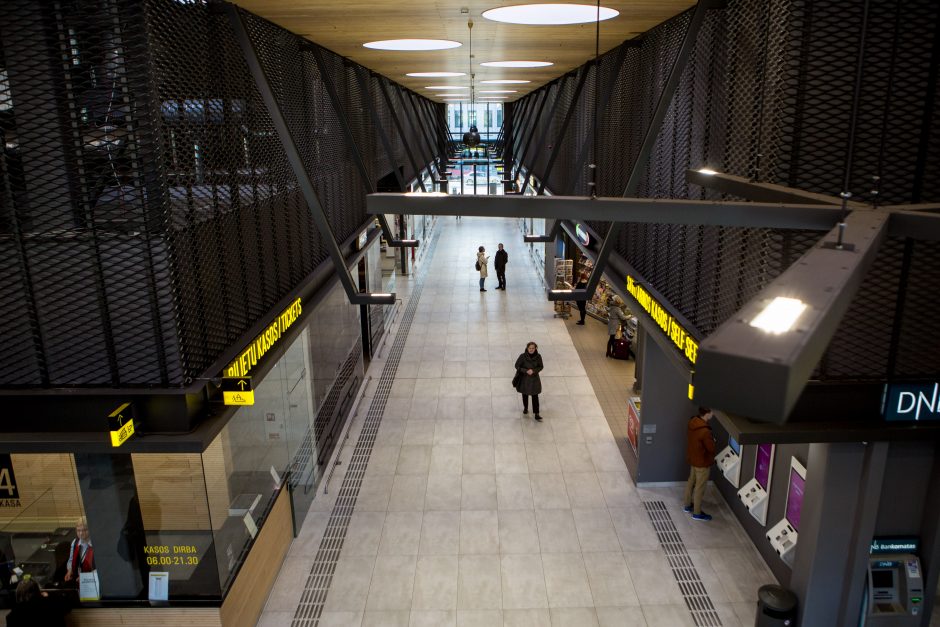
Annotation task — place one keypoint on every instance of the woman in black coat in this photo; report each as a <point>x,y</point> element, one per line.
<point>528,367</point>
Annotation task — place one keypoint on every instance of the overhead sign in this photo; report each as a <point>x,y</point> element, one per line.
<point>912,401</point>
<point>121,424</point>
<point>250,357</point>
<point>237,391</point>
<point>673,330</point>
<point>582,234</point>
<point>9,492</point>
<point>362,239</point>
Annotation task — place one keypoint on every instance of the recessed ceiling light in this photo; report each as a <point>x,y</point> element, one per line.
<point>505,81</point>
<point>546,14</point>
<point>780,315</point>
<point>498,91</point>
<point>445,87</point>
<point>435,74</point>
<point>516,64</point>
<point>412,44</point>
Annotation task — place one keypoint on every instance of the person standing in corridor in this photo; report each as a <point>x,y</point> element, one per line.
<point>582,304</point>
<point>700,453</point>
<point>615,317</point>
<point>502,258</point>
<point>527,381</point>
<point>482,260</point>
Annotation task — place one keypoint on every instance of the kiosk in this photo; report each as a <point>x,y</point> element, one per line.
<point>895,592</point>
<point>756,493</point>
<point>729,461</point>
<point>783,536</point>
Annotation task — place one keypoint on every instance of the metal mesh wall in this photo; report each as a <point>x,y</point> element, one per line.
<point>148,215</point>
<point>770,93</point>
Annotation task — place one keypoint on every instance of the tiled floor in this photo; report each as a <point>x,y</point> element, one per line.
<point>473,514</point>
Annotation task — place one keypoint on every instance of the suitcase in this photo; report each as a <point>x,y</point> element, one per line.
<point>622,349</point>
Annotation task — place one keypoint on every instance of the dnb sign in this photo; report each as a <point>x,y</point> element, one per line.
<point>912,402</point>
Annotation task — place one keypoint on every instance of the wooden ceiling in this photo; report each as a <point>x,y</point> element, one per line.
<point>344,25</point>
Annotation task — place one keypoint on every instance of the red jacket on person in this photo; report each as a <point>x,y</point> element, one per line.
<point>700,451</point>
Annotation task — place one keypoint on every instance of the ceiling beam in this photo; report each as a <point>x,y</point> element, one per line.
<point>638,210</point>
<point>762,192</point>
<point>915,224</point>
<point>747,370</point>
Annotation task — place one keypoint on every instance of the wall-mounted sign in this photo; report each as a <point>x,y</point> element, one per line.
<point>121,424</point>
<point>912,401</point>
<point>673,330</point>
<point>363,238</point>
<point>895,544</point>
<point>9,492</point>
<point>582,234</point>
<point>249,357</point>
<point>237,391</point>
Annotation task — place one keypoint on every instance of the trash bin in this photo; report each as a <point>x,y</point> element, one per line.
<point>776,607</point>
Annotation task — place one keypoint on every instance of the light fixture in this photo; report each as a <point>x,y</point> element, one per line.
<point>516,64</point>
<point>444,87</point>
<point>498,91</point>
<point>412,44</point>
<point>550,14</point>
<point>707,171</point>
<point>425,194</point>
<point>779,315</point>
<point>505,81</point>
<point>435,74</point>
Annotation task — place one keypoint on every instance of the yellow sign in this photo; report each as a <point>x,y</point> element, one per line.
<point>121,423</point>
<point>237,391</point>
<point>679,336</point>
<point>249,357</point>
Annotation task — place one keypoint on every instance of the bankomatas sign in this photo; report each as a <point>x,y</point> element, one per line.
<point>912,402</point>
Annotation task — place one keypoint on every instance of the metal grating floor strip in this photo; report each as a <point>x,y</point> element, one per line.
<point>696,597</point>
<point>313,599</point>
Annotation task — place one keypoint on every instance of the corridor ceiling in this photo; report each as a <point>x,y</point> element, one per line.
<point>344,25</point>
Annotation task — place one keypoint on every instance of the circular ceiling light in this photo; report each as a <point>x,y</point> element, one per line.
<point>516,64</point>
<point>549,14</point>
<point>505,81</point>
<point>412,44</point>
<point>497,91</point>
<point>435,74</point>
<point>445,87</point>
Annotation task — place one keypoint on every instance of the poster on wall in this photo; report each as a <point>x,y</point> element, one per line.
<point>633,421</point>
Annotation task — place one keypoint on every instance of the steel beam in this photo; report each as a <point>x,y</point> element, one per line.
<point>605,100</point>
<point>327,79</point>
<point>915,224</point>
<point>534,122</point>
<point>401,132</point>
<point>762,192</point>
<point>548,126</point>
<point>649,141</point>
<point>640,210</point>
<point>297,165</point>
<point>564,128</point>
<point>770,368</point>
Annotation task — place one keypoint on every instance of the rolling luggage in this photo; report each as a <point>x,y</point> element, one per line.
<point>622,348</point>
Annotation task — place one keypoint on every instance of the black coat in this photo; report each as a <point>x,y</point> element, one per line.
<point>502,258</point>
<point>530,383</point>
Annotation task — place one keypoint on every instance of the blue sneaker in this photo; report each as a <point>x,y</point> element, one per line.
<point>687,509</point>
<point>703,516</point>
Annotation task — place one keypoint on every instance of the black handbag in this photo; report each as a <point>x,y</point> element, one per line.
<point>516,380</point>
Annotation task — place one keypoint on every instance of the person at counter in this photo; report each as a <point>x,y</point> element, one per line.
<point>34,608</point>
<point>81,553</point>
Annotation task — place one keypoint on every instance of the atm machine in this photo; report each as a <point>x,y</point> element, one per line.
<point>895,591</point>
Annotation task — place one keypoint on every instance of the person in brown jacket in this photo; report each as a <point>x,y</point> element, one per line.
<point>700,453</point>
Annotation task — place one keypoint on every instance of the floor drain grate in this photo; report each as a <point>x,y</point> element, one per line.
<point>690,584</point>
<point>318,583</point>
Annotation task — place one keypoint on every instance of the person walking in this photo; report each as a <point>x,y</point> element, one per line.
<point>615,317</point>
<point>527,381</point>
<point>482,260</point>
<point>700,453</point>
<point>582,304</point>
<point>502,258</point>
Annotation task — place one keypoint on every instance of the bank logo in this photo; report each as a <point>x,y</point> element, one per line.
<point>912,401</point>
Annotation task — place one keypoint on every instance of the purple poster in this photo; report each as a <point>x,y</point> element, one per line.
<point>765,454</point>
<point>795,498</point>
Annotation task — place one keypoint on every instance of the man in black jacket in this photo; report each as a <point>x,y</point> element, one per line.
<point>502,258</point>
